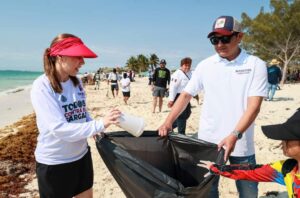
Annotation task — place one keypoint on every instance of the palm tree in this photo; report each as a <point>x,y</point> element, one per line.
<point>143,63</point>
<point>132,64</point>
<point>153,61</point>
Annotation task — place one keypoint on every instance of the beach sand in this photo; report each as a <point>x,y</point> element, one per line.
<point>285,103</point>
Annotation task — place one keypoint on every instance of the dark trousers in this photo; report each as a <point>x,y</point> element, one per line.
<point>180,122</point>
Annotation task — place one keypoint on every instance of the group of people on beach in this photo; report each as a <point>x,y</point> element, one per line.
<point>114,80</point>
<point>176,84</point>
<point>234,85</point>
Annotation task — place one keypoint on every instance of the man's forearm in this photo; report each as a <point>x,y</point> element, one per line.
<point>179,107</point>
<point>253,108</point>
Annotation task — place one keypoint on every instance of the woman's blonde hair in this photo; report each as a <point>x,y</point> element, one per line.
<point>49,65</point>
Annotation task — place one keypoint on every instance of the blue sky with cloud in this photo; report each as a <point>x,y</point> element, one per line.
<point>114,29</point>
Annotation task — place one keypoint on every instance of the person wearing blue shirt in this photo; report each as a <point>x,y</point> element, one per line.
<point>274,77</point>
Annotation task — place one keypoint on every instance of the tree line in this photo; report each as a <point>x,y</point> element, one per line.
<point>275,34</point>
<point>141,62</point>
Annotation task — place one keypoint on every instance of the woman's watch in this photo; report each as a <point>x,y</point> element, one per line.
<point>237,134</point>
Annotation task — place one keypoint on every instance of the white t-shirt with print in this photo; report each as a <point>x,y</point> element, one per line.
<point>63,122</point>
<point>227,86</point>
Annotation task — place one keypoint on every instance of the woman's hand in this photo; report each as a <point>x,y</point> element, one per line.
<point>112,117</point>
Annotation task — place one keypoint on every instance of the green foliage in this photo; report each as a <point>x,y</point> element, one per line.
<point>132,64</point>
<point>153,61</point>
<point>275,34</point>
<point>141,63</point>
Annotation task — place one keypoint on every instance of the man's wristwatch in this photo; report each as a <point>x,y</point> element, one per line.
<point>237,134</point>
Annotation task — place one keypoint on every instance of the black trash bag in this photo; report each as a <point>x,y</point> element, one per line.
<point>152,166</point>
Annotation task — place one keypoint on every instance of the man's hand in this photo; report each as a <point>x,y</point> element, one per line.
<point>164,129</point>
<point>170,104</point>
<point>228,143</point>
<point>152,87</point>
<point>177,108</point>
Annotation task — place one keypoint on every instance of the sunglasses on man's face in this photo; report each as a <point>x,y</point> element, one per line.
<point>224,39</point>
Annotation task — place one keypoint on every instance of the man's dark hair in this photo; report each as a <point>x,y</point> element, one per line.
<point>186,60</point>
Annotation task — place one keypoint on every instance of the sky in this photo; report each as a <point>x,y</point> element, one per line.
<point>114,29</point>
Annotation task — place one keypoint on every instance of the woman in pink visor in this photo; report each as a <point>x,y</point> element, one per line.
<point>63,160</point>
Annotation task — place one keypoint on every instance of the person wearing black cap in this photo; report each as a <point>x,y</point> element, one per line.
<point>234,85</point>
<point>161,78</point>
<point>285,172</point>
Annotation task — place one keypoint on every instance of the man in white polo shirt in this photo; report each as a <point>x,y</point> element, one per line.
<point>234,84</point>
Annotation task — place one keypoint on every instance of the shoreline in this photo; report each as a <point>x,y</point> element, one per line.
<point>15,89</point>
<point>15,103</point>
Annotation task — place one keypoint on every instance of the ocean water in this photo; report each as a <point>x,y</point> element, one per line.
<point>14,80</point>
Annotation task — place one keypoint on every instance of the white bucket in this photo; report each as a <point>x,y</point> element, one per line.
<point>132,124</point>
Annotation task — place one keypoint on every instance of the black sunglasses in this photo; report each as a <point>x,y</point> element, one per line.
<point>224,39</point>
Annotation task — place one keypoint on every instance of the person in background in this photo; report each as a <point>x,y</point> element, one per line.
<point>130,75</point>
<point>63,160</point>
<point>234,85</point>
<point>133,76</point>
<point>150,76</point>
<point>161,78</point>
<point>274,77</point>
<point>85,78</point>
<point>97,80</point>
<point>113,79</point>
<point>179,80</point>
<point>103,76</point>
<point>284,172</point>
<point>125,84</point>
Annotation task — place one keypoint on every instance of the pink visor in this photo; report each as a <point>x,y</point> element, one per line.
<point>71,46</point>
